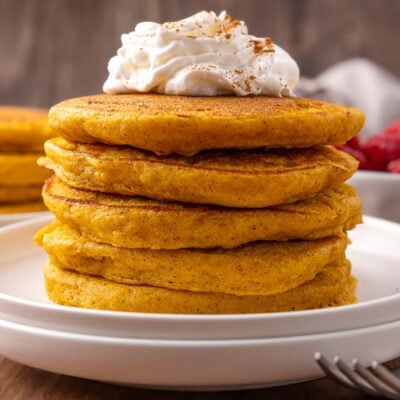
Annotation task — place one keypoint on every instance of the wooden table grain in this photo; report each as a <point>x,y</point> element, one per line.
<point>19,382</point>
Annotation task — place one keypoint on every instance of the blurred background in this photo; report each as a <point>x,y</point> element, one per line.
<point>54,49</point>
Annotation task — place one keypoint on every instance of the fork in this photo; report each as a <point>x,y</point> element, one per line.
<point>377,381</point>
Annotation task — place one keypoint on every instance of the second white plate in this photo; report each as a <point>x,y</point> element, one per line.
<point>190,364</point>
<point>7,219</point>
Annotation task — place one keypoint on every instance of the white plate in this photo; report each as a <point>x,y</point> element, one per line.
<point>375,255</point>
<point>7,219</point>
<point>187,364</point>
<point>380,193</point>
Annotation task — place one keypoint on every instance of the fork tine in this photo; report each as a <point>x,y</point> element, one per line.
<point>332,371</point>
<point>375,382</point>
<point>355,378</point>
<point>388,377</point>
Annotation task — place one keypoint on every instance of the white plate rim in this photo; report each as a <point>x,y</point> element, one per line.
<point>381,175</point>
<point>194,343</point>
<point>22,217</point>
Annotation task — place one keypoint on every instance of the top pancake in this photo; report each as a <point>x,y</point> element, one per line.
<point>23,129</point>
<point>186,125</point>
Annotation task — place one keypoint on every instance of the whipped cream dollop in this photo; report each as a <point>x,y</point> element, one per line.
<point>203,55</point>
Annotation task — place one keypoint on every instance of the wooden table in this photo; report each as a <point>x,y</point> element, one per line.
<point>18,382</point>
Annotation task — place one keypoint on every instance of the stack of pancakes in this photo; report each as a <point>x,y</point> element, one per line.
<point>199,205</point>
<point>22,134</point>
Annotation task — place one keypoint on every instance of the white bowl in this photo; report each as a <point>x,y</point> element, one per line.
<point>380,193</point>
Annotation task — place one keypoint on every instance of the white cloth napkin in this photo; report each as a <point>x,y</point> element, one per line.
<point>358,83</point>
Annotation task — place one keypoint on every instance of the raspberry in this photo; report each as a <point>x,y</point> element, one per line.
<point>354,143</point>
<point>370,166</point>
<point>383,148</point>
<point>357,154</point>
<point>393,128</point>
<point>394,166</point>
<point>380,152</point>
<point>375,150</point>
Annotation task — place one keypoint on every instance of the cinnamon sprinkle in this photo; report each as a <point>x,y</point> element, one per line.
<point>263,46</point>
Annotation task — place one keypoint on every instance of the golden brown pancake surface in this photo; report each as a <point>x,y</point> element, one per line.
<point>186,125</point>
<point>136,222</point>
<point>244,178</point>
<point>23,128</point>
<point>332,287</point>
<point>21,169</point>
<point>19,194</point>
<point>26,207</point>
<point>256,268</point>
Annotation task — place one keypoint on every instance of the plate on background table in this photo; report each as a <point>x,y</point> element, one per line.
<point>202,352</point>
<point>7,219</point>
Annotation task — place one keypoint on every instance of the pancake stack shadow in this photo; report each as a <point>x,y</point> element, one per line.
<point>23,132</point>
<point>219,231</point>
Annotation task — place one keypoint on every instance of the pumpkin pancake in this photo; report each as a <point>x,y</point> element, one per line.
<point>332,287</point>
<point>136,222</point>
<point>186,125</point>
<point>19,194</point>
<point>22,207</point>
<point>21,169</point>
<point>255,268</point>
<point>236,178</point>
<point>23,128</point>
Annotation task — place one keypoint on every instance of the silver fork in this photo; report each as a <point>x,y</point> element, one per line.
<point>376,381</point>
